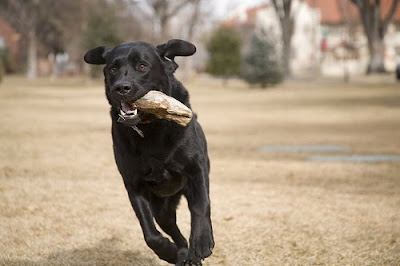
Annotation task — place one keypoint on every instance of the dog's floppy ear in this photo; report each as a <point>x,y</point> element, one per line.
<point>176,47</point>
<point>97,56</point>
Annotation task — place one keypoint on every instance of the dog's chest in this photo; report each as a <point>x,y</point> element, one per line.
<point>160,180</point>
<point>153,169</point>
<point>150,161</point>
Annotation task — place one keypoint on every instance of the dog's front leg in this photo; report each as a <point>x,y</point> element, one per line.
<point>165,249</point>
<point>201,235</point>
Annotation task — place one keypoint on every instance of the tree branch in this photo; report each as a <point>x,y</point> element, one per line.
<point>178,7</point>
<point>278,12</point>
<point>358,3</point>
<point>376,20</point>
<point>287,5</point>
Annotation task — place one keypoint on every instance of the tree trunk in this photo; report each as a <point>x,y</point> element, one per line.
<point>283,10</point>
<point>376,55</point>
<point>287,40</point>
<point>287,32</point>
<point>32,55</point>
<point>164,30</point>
<point>188,65</point>
<point>375,28</point>
<point>225,80</point>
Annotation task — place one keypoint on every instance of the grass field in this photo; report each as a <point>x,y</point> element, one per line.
<point>62,201</point>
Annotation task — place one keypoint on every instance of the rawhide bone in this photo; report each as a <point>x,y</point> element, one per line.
<point>164,107</point>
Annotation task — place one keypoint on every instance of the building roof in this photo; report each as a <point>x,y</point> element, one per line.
<point>244,17</point>
<point>340,11</point>
<point>386,4</point>
<point>332,12</point>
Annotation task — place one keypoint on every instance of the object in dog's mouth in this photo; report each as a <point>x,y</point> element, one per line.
<point>158,104</point>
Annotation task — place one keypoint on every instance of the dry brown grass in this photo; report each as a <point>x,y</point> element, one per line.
<point>62,201</point>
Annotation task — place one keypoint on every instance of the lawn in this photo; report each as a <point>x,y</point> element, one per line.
<point>62,200</point>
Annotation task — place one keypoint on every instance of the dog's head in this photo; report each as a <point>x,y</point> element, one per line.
<point>133,69</point>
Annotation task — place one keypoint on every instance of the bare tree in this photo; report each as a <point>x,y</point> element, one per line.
<point>23,17</point>
<point>194,19</point>
<point>375,27</point>
<point>41,24</point>
<point>160,13</point>
<point>283,10</point>
<point>347,47</point>
<point>193,22</point>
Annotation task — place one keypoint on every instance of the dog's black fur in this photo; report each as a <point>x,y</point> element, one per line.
<point>170,160</point>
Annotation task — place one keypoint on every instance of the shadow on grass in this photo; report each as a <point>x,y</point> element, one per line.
<point>105,252</point>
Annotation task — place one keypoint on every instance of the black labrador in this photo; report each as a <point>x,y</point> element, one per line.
<point>159,160</point>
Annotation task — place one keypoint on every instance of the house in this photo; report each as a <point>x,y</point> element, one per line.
<point>9,39</point>
<point>328,37</point>
<point>305,54</point>
<point>344,45</point>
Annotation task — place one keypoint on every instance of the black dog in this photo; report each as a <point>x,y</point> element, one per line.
<point>159,160</point>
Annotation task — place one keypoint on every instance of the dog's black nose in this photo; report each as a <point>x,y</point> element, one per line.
<point>123,88</point>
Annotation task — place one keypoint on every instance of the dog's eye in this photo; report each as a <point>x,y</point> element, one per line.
<point>143,68</point>
<point>113,70</point>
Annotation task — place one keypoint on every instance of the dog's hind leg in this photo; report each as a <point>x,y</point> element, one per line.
<point>165,249</point>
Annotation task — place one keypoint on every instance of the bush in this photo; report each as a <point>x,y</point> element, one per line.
<point>1,71</point>
<point>262,63</point>
<point>7,64</point>
<point>224,50</point>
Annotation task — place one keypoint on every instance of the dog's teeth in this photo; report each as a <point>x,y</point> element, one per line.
<point>121,118</point>
<point>122,112</point>
<point>135,112</point>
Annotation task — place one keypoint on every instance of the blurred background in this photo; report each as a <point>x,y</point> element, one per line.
<point>309,38</point>
<point>299,101</point>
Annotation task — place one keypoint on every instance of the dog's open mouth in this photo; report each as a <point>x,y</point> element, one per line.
<point>128,115</point>
<point>127,111</point>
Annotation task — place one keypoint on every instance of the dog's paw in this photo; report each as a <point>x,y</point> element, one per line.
<point>202,244</point>
<point>187,258</point>
<point>191,263</point>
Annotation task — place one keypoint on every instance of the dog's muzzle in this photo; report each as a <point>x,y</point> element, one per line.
<point>128,115</point>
